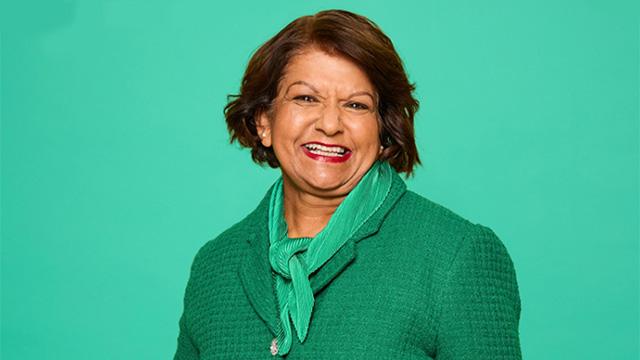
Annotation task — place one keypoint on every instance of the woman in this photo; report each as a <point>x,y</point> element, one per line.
<point>339,260</point>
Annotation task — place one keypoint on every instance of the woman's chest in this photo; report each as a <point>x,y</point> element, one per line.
<point>375,308</point>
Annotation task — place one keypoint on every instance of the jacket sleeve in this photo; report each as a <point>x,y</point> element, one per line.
<point>479,306</point>
<point>187,349</point>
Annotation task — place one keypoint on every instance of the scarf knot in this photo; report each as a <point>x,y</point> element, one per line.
<point>287,253</point>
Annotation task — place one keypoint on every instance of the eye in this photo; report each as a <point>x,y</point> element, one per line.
<point>305,98</point>
<point>357,106</point>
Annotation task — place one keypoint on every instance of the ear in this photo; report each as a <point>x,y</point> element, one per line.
<point>263,125</point>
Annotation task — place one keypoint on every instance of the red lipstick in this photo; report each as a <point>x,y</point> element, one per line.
<point>337,158</point>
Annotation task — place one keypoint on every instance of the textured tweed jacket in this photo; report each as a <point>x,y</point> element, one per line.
<point>417,281</point>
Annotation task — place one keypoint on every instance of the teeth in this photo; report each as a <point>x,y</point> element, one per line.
<point>330,151</point>
<point>325,153</point>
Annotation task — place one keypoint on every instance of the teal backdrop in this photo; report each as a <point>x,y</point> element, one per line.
<point>116,165</point>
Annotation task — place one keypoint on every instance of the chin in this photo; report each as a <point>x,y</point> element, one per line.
<point>325,185</point>
<point>327,180</point>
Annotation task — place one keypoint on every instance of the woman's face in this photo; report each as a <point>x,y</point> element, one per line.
<point>324,126</point>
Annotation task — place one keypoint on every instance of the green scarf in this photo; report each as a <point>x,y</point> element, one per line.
<point>293,260</point>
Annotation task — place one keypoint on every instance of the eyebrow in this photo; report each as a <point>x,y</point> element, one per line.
<point>302,82</point>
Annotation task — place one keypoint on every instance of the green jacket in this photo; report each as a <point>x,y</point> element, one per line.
<point>417,281</point>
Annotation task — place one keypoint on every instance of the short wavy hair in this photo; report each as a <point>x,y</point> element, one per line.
<point>336,32</point>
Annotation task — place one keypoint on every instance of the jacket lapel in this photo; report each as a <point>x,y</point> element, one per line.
<point>255,270</point>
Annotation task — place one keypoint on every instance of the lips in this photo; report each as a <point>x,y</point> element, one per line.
<point>326,152</point>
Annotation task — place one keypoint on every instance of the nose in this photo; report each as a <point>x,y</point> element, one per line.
<point>329,120</point>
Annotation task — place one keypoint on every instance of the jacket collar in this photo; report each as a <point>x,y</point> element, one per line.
<point>255,270</point>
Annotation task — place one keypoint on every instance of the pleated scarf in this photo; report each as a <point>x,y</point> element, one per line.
<point>295,259</point>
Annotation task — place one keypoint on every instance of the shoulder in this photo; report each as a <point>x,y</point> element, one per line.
<point>451,247</point>
<point>230,245</point>
<point>420,215</point>
<point>440,232</point>
<point>225,246</point>
<point>418,204</point>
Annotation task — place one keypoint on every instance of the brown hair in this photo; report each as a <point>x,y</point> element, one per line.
<point>335,32</point>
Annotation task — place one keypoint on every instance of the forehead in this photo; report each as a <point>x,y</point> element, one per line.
<point>326,72</point>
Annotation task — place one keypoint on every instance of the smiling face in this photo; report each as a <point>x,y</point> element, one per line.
<point>324,126</point>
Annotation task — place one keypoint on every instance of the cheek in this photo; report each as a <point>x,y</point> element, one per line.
<point>366,133</point>
<point>288,128</point>
<point>293,119</point>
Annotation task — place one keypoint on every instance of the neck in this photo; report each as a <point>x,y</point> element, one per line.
<point>307,214</point>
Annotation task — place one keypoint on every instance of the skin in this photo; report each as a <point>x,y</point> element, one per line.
<point>322,98</point>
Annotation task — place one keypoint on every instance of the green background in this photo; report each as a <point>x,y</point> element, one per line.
<point>116,165</point>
